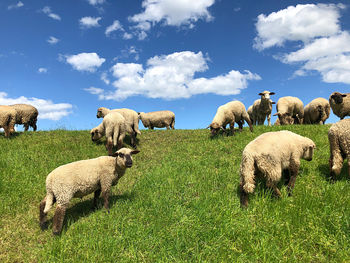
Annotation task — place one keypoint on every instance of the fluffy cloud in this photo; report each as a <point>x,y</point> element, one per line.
<point>85,61</point>
<point>47,109</point>
<point>88,22</point>
<point>325,47</point>
<point>104,78</point>
<point>18,5</point>
<point>172,13</point>
<point>42,70</point>
<point>96,2</point>
<point>172,77</point>
<point>52,40</point>
<point>47,10</point>
<point>114,27</point>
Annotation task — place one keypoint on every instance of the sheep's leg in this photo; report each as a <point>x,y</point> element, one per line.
<point>58,219</point>
<point>293,170</point>
<point>105,195</point>
<point>168,127</point>
<point>26,126</point>
<point>96,196</point>
<point>232,130</point>
<point>243,197</point>
<point>273,186</point>
<point>269,119</point>
<point>133,139</point>
<point>42,215</point>
<point>240,126</point>
<point>109,146</point>
<point>34,127</point>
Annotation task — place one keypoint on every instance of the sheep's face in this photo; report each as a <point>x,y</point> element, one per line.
<point>124,157</point>
<point>95,135</point>
<point>214,128</point>
<point>266,95</point>
<point>100,113</point>
<point>338,97</point>
<point>285,118</point>
<point>308,152</point>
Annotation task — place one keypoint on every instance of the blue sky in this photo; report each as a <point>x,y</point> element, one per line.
<point>70,57</point>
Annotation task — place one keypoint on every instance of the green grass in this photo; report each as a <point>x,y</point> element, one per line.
<point>178,203</point>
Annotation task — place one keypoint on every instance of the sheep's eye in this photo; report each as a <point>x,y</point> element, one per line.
<point>121,155</point>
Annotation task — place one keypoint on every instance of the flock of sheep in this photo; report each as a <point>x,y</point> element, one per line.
<point>267,155</point>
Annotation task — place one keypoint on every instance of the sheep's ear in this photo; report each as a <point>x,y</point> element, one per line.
<point>272,93</point>
<point>273,102</point>
<point>343,95</point>
<point>260,94</point>
<point>115,154</point>
<point>135,152</point>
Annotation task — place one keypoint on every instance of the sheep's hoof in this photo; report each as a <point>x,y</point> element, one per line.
<point>56,233</point>
<point>43,226</point>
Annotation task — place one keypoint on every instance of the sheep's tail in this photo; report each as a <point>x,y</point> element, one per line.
<point>247,173</point>
<point>172,124</point>
<point>49,201</point>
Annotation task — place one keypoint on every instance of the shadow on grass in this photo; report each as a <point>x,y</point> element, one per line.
<point>325,172</point>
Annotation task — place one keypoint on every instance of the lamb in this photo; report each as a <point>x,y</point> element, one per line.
<point>340,104</point>
<point>317,111</point>
<point>339,141</point>
<point>290,106</point>
<point>262,108</point>
<point>26,115</point>
<point>230,113</point>
<point>7,119</point>
<point>268,155</point>
<point>81,178</point>
<point>158,119</point>
<point>131,120</point>
<point>113,127</point>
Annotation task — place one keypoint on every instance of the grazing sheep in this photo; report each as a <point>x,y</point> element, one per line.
<point>131,121</point>
<point>158,119</point>
<point>317,111</point>
<point>113,126</point>
<point>268,155</point>
<point>290,106</point>
<point>340,104</point>
<point>230,113</point>
<point>26,115</point>
<point>7,119</point>
<point>288,120</point>
<point>262,108</point>
<point>81,178</point>
<point>339,141</point>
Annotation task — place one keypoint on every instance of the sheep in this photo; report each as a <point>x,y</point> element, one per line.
<point>158,119</point>
<point>131,120</point>
<point>7,119</point>
<point>290,106</point>
<point>317,111</point>
<point>81,178</point>
<point>113,127</point>
<point>339,141</point>
<point>288,120</point>
<point>262,108</point>
<point>268,155</point>
<point>340,104</point>
<point>26,115</point>
<point>230,113</point>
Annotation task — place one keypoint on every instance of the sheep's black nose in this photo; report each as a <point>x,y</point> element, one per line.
<point>128,164</point>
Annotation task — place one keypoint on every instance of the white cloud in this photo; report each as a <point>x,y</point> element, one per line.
<point>47,10</point>
<point>89,22</point>
<point>18,5</point>
<point>127,36</point>
<point>52,40</point>
<point>114,27</point>
<point>47,109</point>
<point>104,78</point>
<point>42,70</point>
<point>85,61</point>
<point>96,2</point>
<point>297,23</point>
<point>171,13</point>
<point>172,77</point>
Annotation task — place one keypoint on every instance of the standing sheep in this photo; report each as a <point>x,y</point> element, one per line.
<point>26,115</point>
<point>262,108</point>
<point>158,119</point>
<point>81,178</point>
<point>268,155</point>
<point>339,141</point>
<point>113,126</point>
<point>290,106</point>
<point>131,121</point>
<point>340,104</point>
<point>317,111</point>
<point>7,119</point>
<point>230,113</point>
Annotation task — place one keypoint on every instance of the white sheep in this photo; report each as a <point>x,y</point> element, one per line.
<point>339,141</point>
<point>261,109</point>
<point>27,115</point>
<point>340,104</point>
<point>268,155</point>
<point>317,111</point>
<point>81,178</point>
<point>158,119</point>
<point>131,121</point>
<point>230,113</point>
<point>113,127</point>
<point>7,119</point>
<point>290,106</point>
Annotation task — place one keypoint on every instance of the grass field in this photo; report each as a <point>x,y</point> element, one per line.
<point>178,203</point>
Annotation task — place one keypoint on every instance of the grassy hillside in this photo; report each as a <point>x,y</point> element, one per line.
<point>178,203</point>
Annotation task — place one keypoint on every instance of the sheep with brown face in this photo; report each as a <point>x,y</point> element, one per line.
<point>81,178</point>
<point>268,155</point>
<point>261,109</point>
<point>339,141</point>
<point>340,104</point>
<point>7,119</point>
<point>290,106</point>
